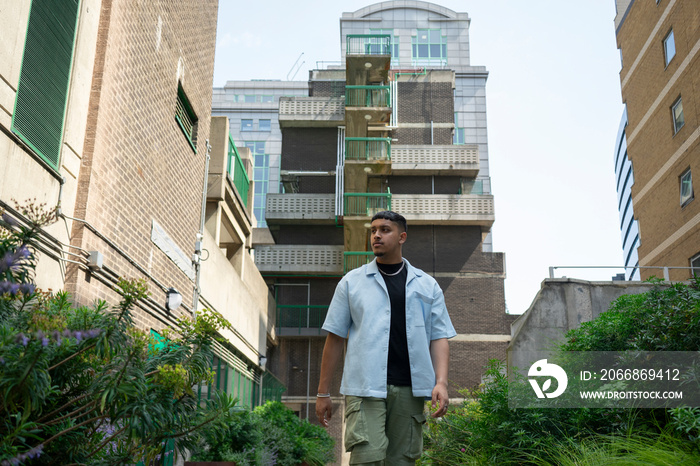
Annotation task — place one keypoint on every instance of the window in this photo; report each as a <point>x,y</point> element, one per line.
<point>458,137</point>
<point>264,125</point>
<point>246,125</point>
<point>695,265</point>
<point>261,177</point>
<point>186,118</point>
<point>394,43</point>
<point>669,47</point>
<point>677,113</point>
<point>687,194</point>
<point>44,77</point>
<point>429,47</point>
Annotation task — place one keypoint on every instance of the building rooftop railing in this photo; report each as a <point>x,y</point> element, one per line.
<point>368,44</point>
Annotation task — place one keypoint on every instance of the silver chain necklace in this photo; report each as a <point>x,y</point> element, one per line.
<point>403,263</point>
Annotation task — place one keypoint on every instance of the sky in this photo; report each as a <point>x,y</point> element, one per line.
<point>553,110</point>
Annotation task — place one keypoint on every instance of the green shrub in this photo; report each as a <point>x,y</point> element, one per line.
<point>484,430</point>
<point>82,384</point>
<point>270,434</point>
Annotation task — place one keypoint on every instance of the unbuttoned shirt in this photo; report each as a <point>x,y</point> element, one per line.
<point>361,311</point>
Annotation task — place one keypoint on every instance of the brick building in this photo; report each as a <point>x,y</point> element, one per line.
<point>659,43</point>
<point>105,110</point>
<point>401,124</point>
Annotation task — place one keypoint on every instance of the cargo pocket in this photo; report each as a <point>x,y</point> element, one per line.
<point>355,424</point>
<point>415,446</point>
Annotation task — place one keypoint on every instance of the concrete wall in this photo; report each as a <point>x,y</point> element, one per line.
<point>562,304</point>
<point>24,176</point>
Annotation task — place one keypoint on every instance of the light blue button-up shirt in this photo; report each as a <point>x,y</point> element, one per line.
<point>361,311</point>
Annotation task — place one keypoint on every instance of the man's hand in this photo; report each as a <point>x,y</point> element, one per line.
<point>440,398</point>
<point>324,410</point>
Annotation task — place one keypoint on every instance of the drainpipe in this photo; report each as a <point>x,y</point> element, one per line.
<point>197,256</point>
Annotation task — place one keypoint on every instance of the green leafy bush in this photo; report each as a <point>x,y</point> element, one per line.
<point>82,384</point>
<point>484,430</point>
<point>269,435</point>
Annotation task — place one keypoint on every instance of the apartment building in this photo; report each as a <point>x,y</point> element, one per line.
<point>105,111</point>
<point>659,43</point>
<point>401,125</point>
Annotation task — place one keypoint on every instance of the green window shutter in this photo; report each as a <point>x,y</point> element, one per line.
<point>43,80</point>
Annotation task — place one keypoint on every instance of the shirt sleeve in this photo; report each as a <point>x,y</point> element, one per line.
<point>441,325</point>
<point>338,319</point>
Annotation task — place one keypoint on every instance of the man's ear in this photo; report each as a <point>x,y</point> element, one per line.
<point>402,237</point>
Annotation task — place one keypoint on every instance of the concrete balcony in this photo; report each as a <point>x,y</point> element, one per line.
<point>317,112</point>
<point>445,209</point>
<point>294,208</point>
<point>456,160</point>
<point>292,258</point>
<point>367,58</point>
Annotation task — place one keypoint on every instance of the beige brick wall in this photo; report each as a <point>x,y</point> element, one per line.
<point>138,165</point>
<point>669,233</point>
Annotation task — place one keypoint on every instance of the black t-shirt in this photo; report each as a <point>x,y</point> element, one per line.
<point>398,365</point>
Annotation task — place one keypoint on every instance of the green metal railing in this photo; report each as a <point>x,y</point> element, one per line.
<point>272,388</point>
<point>238,172</point>
<point>368,44</point>
<point>366,204</point>
<point>302,316</point>
<point>355,259</point>
<point>367,96</point>
<point>367,148</point>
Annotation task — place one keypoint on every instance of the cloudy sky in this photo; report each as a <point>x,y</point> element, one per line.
<point>553,106</point>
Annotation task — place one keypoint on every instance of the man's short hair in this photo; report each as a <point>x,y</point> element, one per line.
<point>393,217</point>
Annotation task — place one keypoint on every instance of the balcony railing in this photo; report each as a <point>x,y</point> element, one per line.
<point>366,204</point>
<point>355,259</point>
<point>367,96</point>
<point>456,155</point>
<point>292,258</point>
<point>237,172</point>
<point>312,109</point>
<point>294,318</point>
<point>368,44</point>
<point>300,207</point>
<point>456,209</point>
<point>367,148</point>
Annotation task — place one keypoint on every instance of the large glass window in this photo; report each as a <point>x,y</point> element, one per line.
<point>264,125</point>
<point>429,47</point>
<point>246,125</point>
<point>669,47</point>
<point>394,43</point>
<point>458,137</point>
<point>687,194</point>
<point>44,77</point>
<point>261,177</point>
<point>677,113</point>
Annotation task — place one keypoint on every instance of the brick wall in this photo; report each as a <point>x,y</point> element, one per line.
<point>649,89</point>
<point>326,88</point>
<point>424,184</point>
<point>138,165</point>
<point>423,102</point>
<point>311,149</point>
<point>415,136</point>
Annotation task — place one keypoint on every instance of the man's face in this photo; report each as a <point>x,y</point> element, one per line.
<point>387,239</point>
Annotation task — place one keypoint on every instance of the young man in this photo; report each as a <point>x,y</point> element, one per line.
<point>396,324</point>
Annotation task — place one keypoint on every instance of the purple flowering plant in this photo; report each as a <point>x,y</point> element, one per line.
<point>82,385</point>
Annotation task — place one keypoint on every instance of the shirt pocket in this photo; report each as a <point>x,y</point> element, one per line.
<point>355,424</point>
<point>422,306</point>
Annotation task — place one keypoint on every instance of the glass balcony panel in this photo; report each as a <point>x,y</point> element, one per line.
<point>367,149</point>
<point>367,96</point>
<point>368,44</point>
